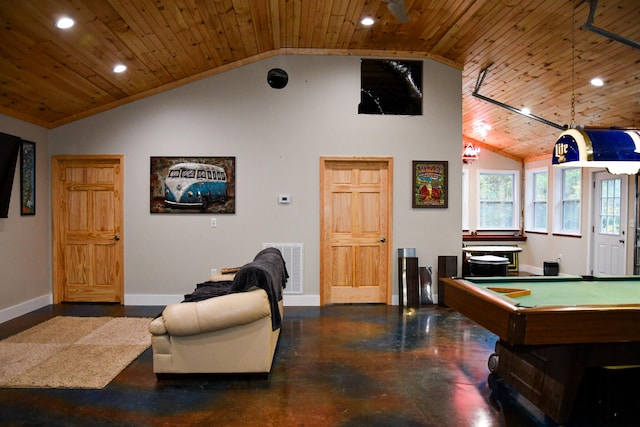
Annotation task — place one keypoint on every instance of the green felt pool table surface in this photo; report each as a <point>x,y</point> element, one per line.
<point>560,309</point>
<point>549,338</point>
<point>565,290</point>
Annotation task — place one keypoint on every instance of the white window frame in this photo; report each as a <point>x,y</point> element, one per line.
<point>558,203</point>
<point>516,199</point>
<point>465,199</point>
<point>530,202</point>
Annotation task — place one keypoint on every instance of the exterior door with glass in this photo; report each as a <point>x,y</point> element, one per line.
<point>610,218</point>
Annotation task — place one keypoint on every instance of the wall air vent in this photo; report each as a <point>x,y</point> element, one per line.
<point>293,256</point>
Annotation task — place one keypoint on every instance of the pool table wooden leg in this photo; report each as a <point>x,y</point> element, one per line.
<point>549,376</point>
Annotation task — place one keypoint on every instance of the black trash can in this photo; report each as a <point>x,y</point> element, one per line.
<point>408,278</point>
<point>488,265</point>
<point>551,268</point>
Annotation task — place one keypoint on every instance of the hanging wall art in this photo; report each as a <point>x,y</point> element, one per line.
<point>193,185</point>
<point>430,184</point>
<point>28,178</point>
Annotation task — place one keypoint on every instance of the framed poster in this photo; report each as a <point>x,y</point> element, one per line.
<point>193,185</point>
<point>430,184</point>
<point>28,178</point>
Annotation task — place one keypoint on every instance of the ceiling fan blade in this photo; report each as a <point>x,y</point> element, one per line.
<point>397,9</point>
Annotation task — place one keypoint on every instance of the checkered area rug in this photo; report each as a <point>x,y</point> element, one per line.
<point>72,352</point>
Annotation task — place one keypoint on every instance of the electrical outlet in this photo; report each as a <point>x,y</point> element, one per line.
<point>214,223</point>
<point>284,199</point>
<point>214,271</point>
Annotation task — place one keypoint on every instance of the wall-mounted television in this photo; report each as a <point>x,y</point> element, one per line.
<point>9,149</point>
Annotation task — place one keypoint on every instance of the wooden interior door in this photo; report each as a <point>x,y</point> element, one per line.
<point>87,208</point>
<point>356,218</point>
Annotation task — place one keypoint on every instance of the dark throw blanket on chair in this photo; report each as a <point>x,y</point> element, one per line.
<point>206,290</point>
<point>267,271</point>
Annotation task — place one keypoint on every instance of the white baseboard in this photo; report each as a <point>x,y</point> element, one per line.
<point>139,299</point>
<point>9,313</point>
<point>289,300</point>
<point>314,300</point>
<point>159,300</point>
<point>539,271</point>
<point>301,300</point>
<point>532,269</point>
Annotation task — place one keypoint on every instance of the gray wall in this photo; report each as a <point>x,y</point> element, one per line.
<point>277,137</point>
<point>24,240</point>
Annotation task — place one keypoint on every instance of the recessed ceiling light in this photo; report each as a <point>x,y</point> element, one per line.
<point>65,22</point>
<point>119,68</point>
<point>597,81</point>
<point>482,128</point>
<point>367,21</point>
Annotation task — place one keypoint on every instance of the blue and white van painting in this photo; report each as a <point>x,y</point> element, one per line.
<point>194,185</point>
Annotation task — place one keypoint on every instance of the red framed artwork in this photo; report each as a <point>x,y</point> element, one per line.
<point>430,184</point>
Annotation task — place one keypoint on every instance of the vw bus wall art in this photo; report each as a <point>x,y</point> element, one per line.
<point>193,185</point>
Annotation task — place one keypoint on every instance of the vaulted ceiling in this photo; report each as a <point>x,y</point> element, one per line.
<point>536,53</point>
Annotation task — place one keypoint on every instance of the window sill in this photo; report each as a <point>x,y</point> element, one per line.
<point>579,236</point>
<point>493,238</point>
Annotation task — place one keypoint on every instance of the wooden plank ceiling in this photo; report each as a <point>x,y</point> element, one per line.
<point>51,77</point>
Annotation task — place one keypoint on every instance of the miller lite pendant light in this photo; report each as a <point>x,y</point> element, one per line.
<point>614,149</point>
<point>617,150</point>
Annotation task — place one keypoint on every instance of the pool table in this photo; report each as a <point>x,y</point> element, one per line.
<point>551,329</point>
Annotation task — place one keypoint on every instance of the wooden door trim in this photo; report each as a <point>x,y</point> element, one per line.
<point>57,221</point>
<point>325,249</point>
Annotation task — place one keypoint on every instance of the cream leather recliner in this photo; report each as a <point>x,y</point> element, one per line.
<point>233,333</point>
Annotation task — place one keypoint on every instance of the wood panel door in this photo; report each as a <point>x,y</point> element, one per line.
<point>355,221</point>
<point>87,213</point>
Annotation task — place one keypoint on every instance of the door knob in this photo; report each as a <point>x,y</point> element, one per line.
<point>382,239</point>
<point>621,241</point>
<point>116,237</point>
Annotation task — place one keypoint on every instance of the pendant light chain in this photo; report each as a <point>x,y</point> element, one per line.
<point>573,56</point>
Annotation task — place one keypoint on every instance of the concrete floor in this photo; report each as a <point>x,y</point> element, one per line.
<point>347,365</point>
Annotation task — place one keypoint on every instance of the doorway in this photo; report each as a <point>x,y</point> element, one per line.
<point>87,228</point>
<point>356,206</point>
<point>610,219</point>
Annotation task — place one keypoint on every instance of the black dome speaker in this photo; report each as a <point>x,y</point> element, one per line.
<point>277,78</point>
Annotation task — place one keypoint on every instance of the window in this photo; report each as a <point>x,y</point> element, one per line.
<point>567,212</point>
<point>498,200</point>
<point>536,197</point>
<point>465,199</point>
<point>390,86</point>
<point>610,206</point>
